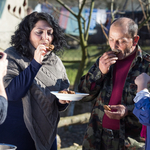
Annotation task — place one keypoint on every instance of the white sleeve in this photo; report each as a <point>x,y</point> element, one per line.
<point>141,94</point>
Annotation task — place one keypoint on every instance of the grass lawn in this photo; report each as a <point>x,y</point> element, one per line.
<point>75,54</point>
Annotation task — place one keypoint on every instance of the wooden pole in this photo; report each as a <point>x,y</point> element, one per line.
<point>72,120</point>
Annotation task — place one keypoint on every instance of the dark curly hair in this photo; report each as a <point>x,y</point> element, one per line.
<point>20,39</point>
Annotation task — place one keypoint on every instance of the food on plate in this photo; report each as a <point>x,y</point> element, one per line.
<point>106,107</point>
<point>71,92</point>
<point>63,92</point>
<point>50,47</point>
<point>67,92</point>
<point>116,51</point>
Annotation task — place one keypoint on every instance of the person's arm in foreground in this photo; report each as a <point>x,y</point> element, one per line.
<point>142,99</point>
<point>3,96</point>
<point>23,81</point>
<point>99,72</point>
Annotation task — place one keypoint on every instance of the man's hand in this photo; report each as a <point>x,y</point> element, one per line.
<point>118,112</point>
<point>106,60</point>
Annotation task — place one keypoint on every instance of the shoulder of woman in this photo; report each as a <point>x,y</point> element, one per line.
<point>11,51</point>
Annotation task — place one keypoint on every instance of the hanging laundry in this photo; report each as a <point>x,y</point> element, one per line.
<point>44,8</point>
<point>93,18</point>
<point>101,16</point>
<point>63,18</point>
<point>98,16</point>
<point>2,5</point>
<point>72,25</point>
<point>38,8</point>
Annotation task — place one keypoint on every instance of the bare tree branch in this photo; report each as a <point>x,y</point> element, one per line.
<point>81,8</point>
<point>65,6</point>
<point>73,37</point>
<point>104,31</point>
<point>141,3</point>
<point>112,8</point>
<point>88,26</point>
<point>56,10</point>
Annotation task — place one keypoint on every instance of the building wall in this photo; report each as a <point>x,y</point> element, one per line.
<point>9,22</point>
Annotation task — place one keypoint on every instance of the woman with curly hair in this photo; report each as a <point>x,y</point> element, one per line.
<point>33,72</point>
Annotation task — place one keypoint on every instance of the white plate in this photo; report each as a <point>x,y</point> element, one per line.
<point>71,97</point>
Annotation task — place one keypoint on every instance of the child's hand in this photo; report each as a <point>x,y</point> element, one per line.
<point>141,81</point>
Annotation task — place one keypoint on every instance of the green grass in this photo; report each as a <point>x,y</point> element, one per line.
<point>75,54</point>
<point>146,49</point>
<point>71,70</point>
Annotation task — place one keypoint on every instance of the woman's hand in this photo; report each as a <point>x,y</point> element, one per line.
<point>39,53</point>
<point>64,101</point>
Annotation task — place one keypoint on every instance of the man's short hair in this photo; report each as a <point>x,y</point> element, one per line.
<point>127,22</point>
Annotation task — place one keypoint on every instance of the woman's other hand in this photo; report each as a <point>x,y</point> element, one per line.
<point>64,101</point>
